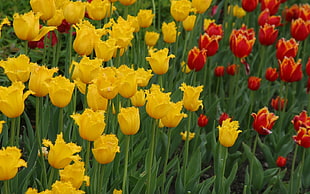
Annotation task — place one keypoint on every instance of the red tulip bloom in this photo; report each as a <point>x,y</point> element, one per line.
<point>242,41</point>
<point>304,12</point>
<point>232,69</point>
<point>64,27</point>
<point>278,103</point>
<point>291,13</point>
<point>40,43</point>
<point>267,34</point>
<point>299,29</point>
<point>265,18</point>
<point>219,71</point>
<point>196,59</point>
<point>272,5</point>
<point>249,5</point>
<point>286,48</point>
<point>303,137</point>
<point>215,29</point>
<point>271,74</point>
<point>209,43</point>
<point>264,121</point>
<point>223,117</point>
<point>202,120</point>
<point>281,161</point>
<point>254,83</point>
<point>301,120</point>
<point>290,71</point>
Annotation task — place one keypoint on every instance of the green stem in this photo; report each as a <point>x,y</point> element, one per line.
<point>69,50</point>
<point>166,160</point>
<point>185,159</point>
<point>60,120</point>
<point>13,131</point>
<point>126,163</point>
<point>222,160</point>
<point>262,52</point>
<point>53,175</point>
<point>6,187</point>
<point>151,157</point>
<point>87,157</point>
<point>293,169</point>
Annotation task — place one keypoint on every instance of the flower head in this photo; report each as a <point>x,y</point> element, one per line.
<point>228,132</point>
<point>74,174</point>
<point>129,120</point>
<point>105,148</point>
<point>159,61</point>
<point>191,97</point>
<point>264,121</point>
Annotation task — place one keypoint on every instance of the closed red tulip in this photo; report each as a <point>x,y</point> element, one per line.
<point>301,120</point>
<point>209,43</point>
<point>232,69</point>
<point>196,59</point>
<point>278,103</point>
<point>267,34</point>
<point>290,71</point>
<point>291,13</point>
<point>281,161</point>
<point>264,121</point>
<point>254,83</point>
<point>249,5</point>
<point>202,120</point>
<point>219,71</point>
<point>286,48</point>
<point>299,29</point>
<point>271,74</point>
<point>223,117</point>
<point>272,5</point>
<point>265,18</point>
<point>304,11</point>
<point>215,29</point>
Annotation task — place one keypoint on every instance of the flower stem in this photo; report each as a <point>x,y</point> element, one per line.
<point>293,169</point>
<point>186,148</point>
<point>222,159</point>
<point>53,174</point>
<point>87,156</point>
<point>166,160</point>
<point>60,121</point>
<point>126,163</point>
<point>6,187</point>
<point>13,131</point>
<point>151,157</point>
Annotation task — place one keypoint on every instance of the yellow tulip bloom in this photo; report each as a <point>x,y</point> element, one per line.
<point>128,81</point>
<point>159,61</point>
<point>189,23</point>
<point>122,32</point>
<point>174,117</point>
<point>129,120</point>
<point>127,2</point>
<point>47,8</point>
<point>169,32</point>
<point>139,98</point>
<point>74,11</point>
<point>191,97</point>
<point>60,91</point>
<point>5,21</point>
<point>86,70</point>
<point>27,26</point>
<point>107,82</point>
<point>143,76</point>
<point>105,49</point>
<point>94,100</point>
<point>105,148</point>
<point>115,191</point>
<point>201,5</point>
<point>151,38</point>
<point>17,69</point>
<point>184,135</point>
<point>134,22</point>
<point>56,20</point>
<point>237,11</point>
<point>40,76</point>
<point>61,153</point>
<point>228,132</point>
<point>74,174</point>
<point>180,9</point>
<point>145,18</point>
<point>91,124</point>
<point>158,103</point>
<point>99,9</point>
<point>10,161</point>
<point>12,99</point>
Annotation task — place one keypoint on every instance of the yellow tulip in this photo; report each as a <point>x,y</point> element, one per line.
<point>122,32</point>
<point>139,98</point>
<point>94,100</point>
<point>185,134</point>
<point>27,27</point>
<point>129,120</point>
<point>115,191</point>
<point>61,3</point>
<point>56,20</point>
<point>74,174</point>
<point>91,124</point>
<point>1,126</point>
<point>206,23</point>
<point>86,70</point>
<point>128,83</point>
<point>143,76</point>
<point>60,91</point>
<point>189,23</point>
<point>185,67</point>
<point>47,8</point>
<point>64,187</point>
<point>158,103</point>
<point>39,78</point>
<point>105,49</point>
<point>5,21</point>
<point>151,38</point>
<point>145,18</point>
<point>12,99</point>
<point>86,37</point>
<point>10,161</point>
<point>159,61</point>
<point>228,132</point>
<point>180,9</point>
<point>134,22</point>
<point>127,2</point>
<point>17,69</point>
<point>74,11</point>
<point>99,9</point>
<point>107,82</point>
<point>237,11</point>
<point>61,153</point>
<point>201,5</point>
<point>174,117</point>
<point>169,32</point>
<point>105,148</point>
<point>191,97</point>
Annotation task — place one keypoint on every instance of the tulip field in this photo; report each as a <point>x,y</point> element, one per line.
<point>169,96</point>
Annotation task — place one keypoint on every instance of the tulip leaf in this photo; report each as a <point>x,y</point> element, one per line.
<point>267,153</point>
<point>206,184</point>
<point>231,176</point>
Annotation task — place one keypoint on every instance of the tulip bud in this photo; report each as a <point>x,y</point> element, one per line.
<point>202,120</point>
<point>281,161</point>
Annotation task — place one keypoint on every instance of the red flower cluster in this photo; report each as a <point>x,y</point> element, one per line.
<point>301,124</point>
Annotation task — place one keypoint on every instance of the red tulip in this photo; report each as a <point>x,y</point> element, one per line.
<point>209,43</point>
<point>267,34</point>
<point>265,18</point>
<point>219,71</point>
<point>291,13</point>
<point>202,120</point>
<point>223,117</point>
<point>263,121</point>
<point>215,29</point>
<point>196,59</point>
<point>271,74</point>
<point>254,83</point>
<point>301,120</point>
<point>232,69</point>
<point>281,161</point>
<point>299,29</point>
<point>278,103</point>
<point>249,5</point>
<point>290,71</point>
<point>303,137</point>
<point>272,5</point>
<point>286,48</point>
